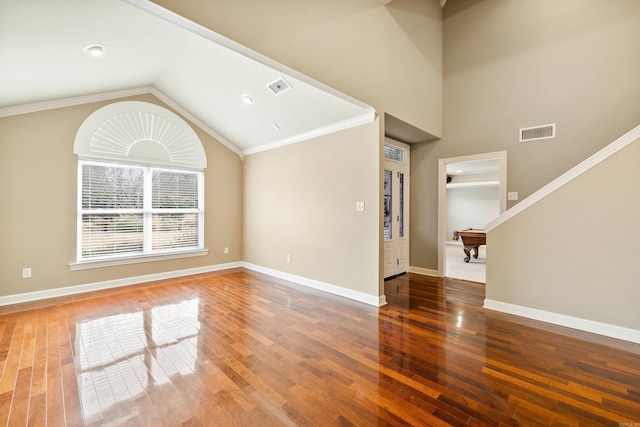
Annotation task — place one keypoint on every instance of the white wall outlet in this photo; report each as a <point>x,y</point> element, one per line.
<point>288,258</point>
<point>359,206</point>
<point>26,273</point>
<point>512,195</point>
<point>226,249</point>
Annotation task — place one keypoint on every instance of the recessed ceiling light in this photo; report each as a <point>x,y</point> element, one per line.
<point>247,99</point>
<point>94,49</point>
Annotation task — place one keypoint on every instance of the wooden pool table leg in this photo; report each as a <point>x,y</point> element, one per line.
<point>467,252</point>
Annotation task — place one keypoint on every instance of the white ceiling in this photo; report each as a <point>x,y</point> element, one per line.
<point>474,167</point>
<point>151,50</point>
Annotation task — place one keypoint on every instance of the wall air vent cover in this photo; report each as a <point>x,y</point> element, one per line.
<point>538,132</point>
<point>279,86</point>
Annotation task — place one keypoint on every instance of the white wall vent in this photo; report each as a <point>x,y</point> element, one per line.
<point>279,86</point>
<point>538,132</point>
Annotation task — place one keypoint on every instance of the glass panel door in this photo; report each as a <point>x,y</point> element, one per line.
<point>388,204</point>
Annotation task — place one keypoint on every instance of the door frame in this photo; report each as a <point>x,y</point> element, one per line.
<point>406,166</point>
<point>442,196</point>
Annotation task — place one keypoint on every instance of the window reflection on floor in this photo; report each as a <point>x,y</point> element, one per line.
<point>121,357</point>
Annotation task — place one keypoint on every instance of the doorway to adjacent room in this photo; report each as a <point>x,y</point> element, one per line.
<point>471,192</point>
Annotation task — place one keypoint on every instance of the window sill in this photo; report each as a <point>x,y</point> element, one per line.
<point>111,262</point>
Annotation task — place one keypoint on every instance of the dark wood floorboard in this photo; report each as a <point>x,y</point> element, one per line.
<point>238,348</point>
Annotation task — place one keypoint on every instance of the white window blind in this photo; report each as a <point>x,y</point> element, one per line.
<point>175,210</point>
<point>133,210</point>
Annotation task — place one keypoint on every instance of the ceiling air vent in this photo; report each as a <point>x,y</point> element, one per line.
<point>279,86</point>
<point>538,132</point>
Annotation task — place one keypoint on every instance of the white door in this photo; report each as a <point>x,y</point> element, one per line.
<point>396,208</point>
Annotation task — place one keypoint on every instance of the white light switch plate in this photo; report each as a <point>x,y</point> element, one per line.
<point>512,195</point>
<point>359,206</point>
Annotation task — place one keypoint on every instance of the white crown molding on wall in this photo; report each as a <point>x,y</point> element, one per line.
<point>196,121</point>
<point>106,96</point>
<point>221,40</point>
<point>599,328</point>
<point>368,117</point>
<point>72,101</point>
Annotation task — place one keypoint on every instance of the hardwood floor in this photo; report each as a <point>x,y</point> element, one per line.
<point>239,348</point>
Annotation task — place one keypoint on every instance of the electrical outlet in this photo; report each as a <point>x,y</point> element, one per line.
<point>512,195</point>
<point>359,206</point>
<point>26,273</point>
<point>226,250</point>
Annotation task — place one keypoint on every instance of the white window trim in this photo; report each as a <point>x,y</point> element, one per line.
<point>108,136</point>
<point>111,262</point>
<point>82,264</point>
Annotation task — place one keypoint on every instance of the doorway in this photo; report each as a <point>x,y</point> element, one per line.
<point>396,208</point>
<point>478,174</point>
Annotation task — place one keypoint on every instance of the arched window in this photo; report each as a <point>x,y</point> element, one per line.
<point>140,185</point>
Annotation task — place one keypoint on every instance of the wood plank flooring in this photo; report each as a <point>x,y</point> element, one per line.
<point>242,349</point>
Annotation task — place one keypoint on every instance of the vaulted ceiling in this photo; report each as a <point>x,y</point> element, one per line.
<point>148,49</point>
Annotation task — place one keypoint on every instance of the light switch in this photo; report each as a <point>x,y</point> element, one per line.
<point>512,195</point>
<point>359,206</point>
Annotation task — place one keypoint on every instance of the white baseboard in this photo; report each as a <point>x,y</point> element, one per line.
<point>423,271</point>
<point>109,284</point>
<point>612,331</point>
<point>377,301</point>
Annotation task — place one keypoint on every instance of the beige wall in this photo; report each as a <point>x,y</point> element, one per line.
<point>387,56</point>
<point>300,201</point>
<point>510,64</point>
<point>575,252</point>
<point>38,187</point>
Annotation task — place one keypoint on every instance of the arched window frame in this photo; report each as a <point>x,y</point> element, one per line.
<point>140,186</point>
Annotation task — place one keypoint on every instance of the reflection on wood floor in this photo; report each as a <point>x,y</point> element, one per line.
<point>240,348</point>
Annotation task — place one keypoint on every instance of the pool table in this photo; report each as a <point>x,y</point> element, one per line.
<point>472,240</point>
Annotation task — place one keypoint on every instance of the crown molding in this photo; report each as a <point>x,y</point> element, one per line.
<point>106,96</point>
<point>72,101</point>
<point>368,117</point>
<point>196,121</point>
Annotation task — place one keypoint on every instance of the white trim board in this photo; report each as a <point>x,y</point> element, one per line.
<point>377,301</point>
<point>423,271</point>
<point>608,151</point>
<point>72,101</point>
<point>107,96</point>
<point>110,284</point>
<point>367,117</point>
<point>612,331</point>
<point>196,121</point>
